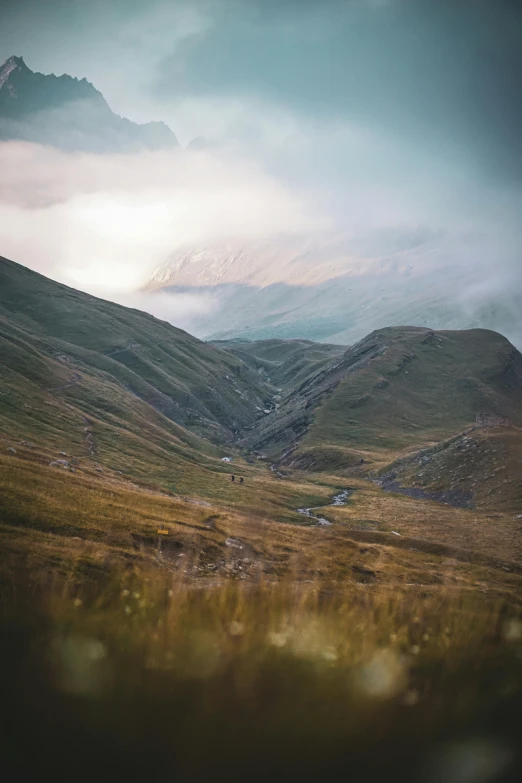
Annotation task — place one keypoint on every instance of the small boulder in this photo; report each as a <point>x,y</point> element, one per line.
<point>60,463</point>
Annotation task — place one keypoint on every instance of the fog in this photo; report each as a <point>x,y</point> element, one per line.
<point>370,118</point>
<point>103,223</point>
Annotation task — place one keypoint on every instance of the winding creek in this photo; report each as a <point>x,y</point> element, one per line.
<point>337,500</point>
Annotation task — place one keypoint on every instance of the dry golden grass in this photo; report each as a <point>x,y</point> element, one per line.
<point>206,678</point>
<point>307,651</point>
<point>86,526</point>
<point>370,508</point>
<point>159,609</point>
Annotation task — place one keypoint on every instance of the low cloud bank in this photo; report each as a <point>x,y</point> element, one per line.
<point>103,223</point>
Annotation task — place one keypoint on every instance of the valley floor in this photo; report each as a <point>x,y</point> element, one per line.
<point>91,522</point>
<point>385,645</point>
<point>252,641</point>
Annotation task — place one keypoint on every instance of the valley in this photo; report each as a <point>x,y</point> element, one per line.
<point>361,581</point>
<point>261,391</point>
<point>109,402</point>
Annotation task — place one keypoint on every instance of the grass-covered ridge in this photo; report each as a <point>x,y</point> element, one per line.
<point>115,386</point>
<point>396,389</point>
<point>53,335</point>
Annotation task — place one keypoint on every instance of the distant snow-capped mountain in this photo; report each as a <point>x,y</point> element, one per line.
<point>69,113</point>
<point>338,287</point>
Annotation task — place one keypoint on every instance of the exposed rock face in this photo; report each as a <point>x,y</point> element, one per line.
<point>69,113</point>
<point>489,420</point>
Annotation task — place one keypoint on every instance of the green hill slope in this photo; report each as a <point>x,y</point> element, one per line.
<point>287,363</point>
<point>89,377</point>
<point>394,390</point>
<point>112,421</point>
<point>189,381</point>
<point>118,386</point>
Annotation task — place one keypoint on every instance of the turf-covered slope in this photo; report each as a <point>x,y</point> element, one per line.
<point>396,389</point>
<point>52,336</point>
<point>286,363</point>
<point>479,468</point>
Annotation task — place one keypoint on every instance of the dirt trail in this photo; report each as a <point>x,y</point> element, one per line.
<point>76,378</point>
<point>131,345</point>
<point>89,437</point>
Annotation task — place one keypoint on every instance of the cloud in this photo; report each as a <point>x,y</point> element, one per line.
<point>183,310</point>
<point>103,223</point>
<point>373,117</point>
<point>446,76</point>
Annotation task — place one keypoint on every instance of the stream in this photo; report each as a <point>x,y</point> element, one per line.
<point>337,500</point>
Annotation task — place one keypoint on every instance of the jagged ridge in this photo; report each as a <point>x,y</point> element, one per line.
<point>69,113</point>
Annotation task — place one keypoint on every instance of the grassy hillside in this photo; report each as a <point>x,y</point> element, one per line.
<point>480,468</point>
<point>287,363</point>
<point>88,525</point>
<point>271,616</point>
<point>53,335</point>
<point>116,388</point>
<point>395,390</point>
<point>100,395</point>
<point>117,385</point>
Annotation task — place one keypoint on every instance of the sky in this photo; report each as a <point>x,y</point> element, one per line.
<point>324,113</point>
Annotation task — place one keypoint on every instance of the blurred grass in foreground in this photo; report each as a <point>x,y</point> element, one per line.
<point>153,677</point>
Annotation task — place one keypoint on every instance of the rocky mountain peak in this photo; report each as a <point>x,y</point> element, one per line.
<point>13,62</point>
<point>69,113</point>
<point>11,65</point>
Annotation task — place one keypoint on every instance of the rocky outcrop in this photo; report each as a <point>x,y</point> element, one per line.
<point>69,113</point>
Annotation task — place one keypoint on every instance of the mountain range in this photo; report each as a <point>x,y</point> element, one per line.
<point>393,390</point>
<point>337,287</point>
<point>303,389</point>
<point>333,286</point>
<point>69,113</point>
